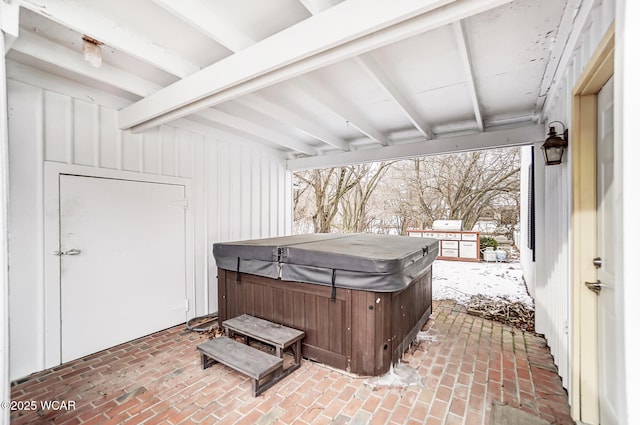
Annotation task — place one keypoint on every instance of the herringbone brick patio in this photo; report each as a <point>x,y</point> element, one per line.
<point>467,363</point>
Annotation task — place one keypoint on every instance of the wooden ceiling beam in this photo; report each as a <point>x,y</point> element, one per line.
<point>258,132</point>
<point>520,136</point>
<point>283,114</point>
<point>343,31</point>
<point>9,23</point>
<point>57,55</point>
<point>370,66</point>
<point>339,107</point>
<point>81,18</point>
<point>465,56</point>
<point>316,6</point>
<point>202,16</point>
<point>229,135</point>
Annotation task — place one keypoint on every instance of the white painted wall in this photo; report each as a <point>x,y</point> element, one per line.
<point>238,191</point>
<point>5,390</point>
<point>551,270</point>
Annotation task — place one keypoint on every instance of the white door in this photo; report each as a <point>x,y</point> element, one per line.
<point>606,247</point>
<point>122,268</point>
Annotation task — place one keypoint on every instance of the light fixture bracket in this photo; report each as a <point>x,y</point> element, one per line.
<point>91,51</point>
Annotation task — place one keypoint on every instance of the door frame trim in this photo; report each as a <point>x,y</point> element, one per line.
<point>584,349</point>
<point>51,290</point>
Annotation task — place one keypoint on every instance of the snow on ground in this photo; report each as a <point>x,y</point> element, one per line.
<point>459,281</point>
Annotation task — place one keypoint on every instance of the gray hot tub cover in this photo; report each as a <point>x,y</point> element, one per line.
<point>372,262</point>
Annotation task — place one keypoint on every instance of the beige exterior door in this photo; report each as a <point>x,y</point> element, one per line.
<point>594,329</point>
<point>608,320</point>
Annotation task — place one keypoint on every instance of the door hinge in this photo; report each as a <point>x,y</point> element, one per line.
<point>184,203</point>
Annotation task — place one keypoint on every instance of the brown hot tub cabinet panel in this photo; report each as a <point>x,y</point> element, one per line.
<point>361,331</point>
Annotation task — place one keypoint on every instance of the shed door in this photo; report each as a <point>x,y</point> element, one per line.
<point>606,242</point>
<point>127,277</point>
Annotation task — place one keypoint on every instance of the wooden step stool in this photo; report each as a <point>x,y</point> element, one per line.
<point>254,363</point>
<point>270,333</point>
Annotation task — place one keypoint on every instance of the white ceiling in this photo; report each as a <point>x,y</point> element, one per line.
<point>321,81</point>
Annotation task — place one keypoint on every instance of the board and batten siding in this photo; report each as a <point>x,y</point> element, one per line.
<point>551,272</point>
<point>237,191</point>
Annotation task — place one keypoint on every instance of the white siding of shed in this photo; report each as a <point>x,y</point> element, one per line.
<point>237,192</point>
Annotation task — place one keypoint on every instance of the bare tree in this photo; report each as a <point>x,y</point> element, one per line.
<point>400,209</point>
<point>356,204</point>
<point>336,198</point>
<point>324,190</point>
<point>465,186</point>
<point>391,197</point>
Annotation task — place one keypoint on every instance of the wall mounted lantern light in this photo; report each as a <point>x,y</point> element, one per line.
<point>553,148</point>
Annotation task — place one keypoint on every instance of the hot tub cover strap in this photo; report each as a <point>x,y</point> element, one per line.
<point>333,285</point>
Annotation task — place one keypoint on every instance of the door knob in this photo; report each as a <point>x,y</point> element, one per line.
<point>68,252</point>
<point>594,286</point>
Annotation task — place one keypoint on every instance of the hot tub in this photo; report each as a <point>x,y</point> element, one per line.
<point>360,298</point>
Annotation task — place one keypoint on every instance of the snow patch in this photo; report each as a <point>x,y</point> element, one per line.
<point>399,376</point>
<point>424,336</point>
<point>459,281</point>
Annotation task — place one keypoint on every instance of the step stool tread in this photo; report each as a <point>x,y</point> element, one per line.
<point>243,358</point>
<point>263,330</point>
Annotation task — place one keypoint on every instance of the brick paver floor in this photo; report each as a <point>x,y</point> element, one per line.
<point>467,363</point>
